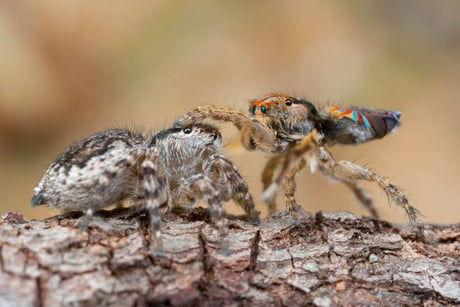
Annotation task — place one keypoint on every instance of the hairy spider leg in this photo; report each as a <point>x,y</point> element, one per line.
<point>289,187</point>
<point>349,173</point>
<point>154,188</point>
<point>201,185</point>
<point>254,134</point>
<point>267,179</point>
<point>307,144</point>
<point>363,197</point>
<point>225,174</point>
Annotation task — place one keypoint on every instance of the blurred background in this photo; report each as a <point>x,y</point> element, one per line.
<point>71,68</point>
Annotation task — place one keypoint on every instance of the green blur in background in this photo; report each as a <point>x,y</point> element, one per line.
<point>71,68</point>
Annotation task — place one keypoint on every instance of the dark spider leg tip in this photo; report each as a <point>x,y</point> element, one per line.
<point>423,237</point>
<point>158,248</point>
<point>433,242</point>
<point>297,214</point>
<point>295,220</point>
<point>224,250</point>
<point>159,252</point>
<point>255,221</point>
<point>36,200</point>
<point>83,225</point>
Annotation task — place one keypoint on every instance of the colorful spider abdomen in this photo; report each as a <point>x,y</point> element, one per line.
<point>354,115</point>
<point>354,125</point>
<point>383,122</point>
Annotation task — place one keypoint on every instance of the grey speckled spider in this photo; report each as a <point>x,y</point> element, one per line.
<point>175,167</point>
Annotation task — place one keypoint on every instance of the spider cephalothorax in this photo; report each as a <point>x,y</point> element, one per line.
<point>291,118</point>
<point>175,167</point>
<point>291,128</point>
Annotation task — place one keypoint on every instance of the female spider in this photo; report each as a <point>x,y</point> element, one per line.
<point>175,167</point>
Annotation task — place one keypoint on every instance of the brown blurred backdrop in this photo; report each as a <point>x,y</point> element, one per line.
<point>70,68</point>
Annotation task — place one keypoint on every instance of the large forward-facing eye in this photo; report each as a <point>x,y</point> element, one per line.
<point>263,109</point>
<point>288,102</point>
<point>187,130</point>
<point>254,109</point>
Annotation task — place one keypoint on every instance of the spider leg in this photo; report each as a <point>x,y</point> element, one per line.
<point>199,114</point>
<point>254,134</point>
<point>231,184</point>
<point>267,178</point>
<point>364,198</point>
<point>97,201</point>
<point>83,221</point>
<point>289,186</point>
<point>153,188</point>
<point>307,144</point>
<point>201,186</point>
<point>349,173</point>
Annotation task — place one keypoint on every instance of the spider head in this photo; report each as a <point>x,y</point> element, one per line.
<point>189,141</point>
<point>286,114</point>
<point>261,107</point>
<point>201,134</point>
<point>273,105</point>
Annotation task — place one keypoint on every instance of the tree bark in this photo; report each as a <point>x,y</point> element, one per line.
<point>330,259</point>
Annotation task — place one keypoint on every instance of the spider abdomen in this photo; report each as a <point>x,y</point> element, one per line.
<point>94,172</point>
<point>357,125</point>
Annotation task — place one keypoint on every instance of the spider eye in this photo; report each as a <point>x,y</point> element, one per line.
<point>254,109</point>
<point>263,109</point>
<point>288,102</point>
<point>187,130</point>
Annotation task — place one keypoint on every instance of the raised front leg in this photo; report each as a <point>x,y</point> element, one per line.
<point>254,134</point>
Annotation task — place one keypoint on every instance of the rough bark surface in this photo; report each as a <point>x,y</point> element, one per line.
<point>329,259</point>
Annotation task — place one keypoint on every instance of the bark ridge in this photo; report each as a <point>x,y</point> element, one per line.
<point>329,259</point>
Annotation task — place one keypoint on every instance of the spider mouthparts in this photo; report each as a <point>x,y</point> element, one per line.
<point>36,200</point>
